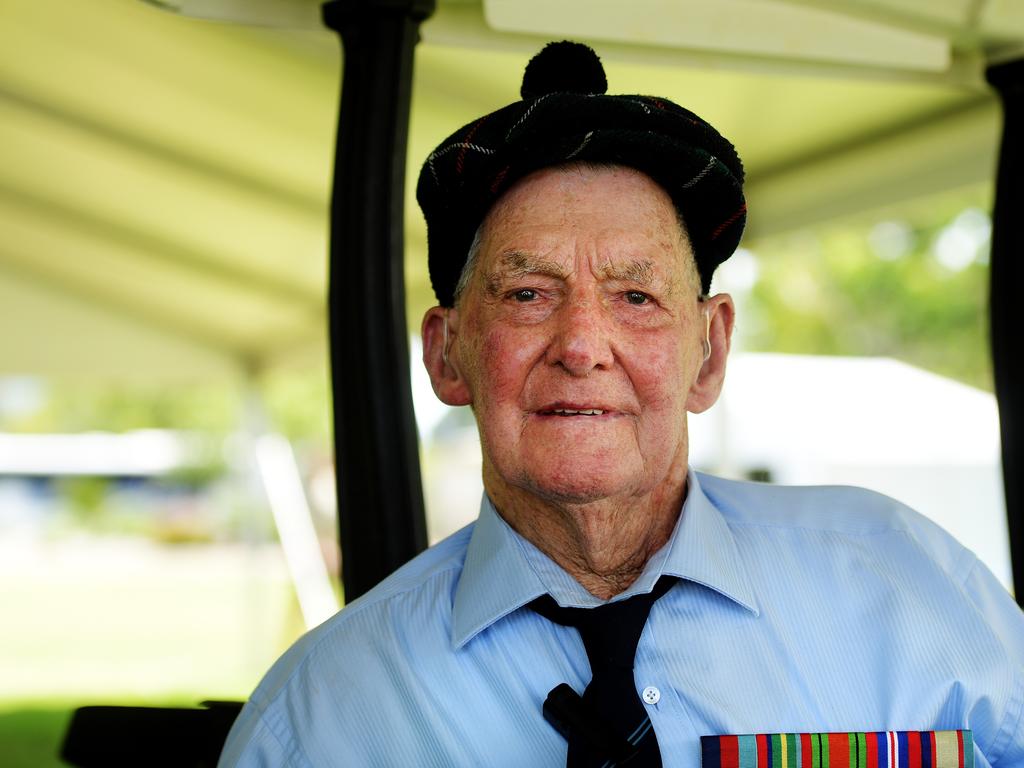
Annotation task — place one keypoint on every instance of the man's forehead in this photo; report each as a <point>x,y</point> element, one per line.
<point>616,182</point>
<point>599,202</point>
<point>611,221</point>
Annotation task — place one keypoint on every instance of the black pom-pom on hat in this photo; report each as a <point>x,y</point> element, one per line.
<point>564,67</point>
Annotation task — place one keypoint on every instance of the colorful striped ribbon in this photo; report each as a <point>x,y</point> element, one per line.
<point>878,749</point>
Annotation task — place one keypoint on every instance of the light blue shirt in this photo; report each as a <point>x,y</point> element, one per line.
<point>798,609</point>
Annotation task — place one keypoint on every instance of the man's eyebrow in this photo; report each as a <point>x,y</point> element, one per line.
<point>517,264</point>
<point>635,271</point>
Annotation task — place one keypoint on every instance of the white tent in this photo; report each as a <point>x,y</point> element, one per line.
<point>165,179</point>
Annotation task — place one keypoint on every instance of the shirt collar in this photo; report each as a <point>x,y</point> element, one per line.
<point>703,549</point>
<point>503,571</point>
<point>495,579</point>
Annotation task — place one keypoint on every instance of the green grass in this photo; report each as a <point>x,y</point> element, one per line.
<point>31,737</point>
<point>131,623</point>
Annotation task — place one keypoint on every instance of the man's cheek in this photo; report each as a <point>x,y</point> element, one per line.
<point>658,370</point>
<point>504,360</point>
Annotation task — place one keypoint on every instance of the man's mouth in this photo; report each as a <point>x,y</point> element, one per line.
<point>572,412</point>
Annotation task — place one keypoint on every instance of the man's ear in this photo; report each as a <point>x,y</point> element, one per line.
<point>440,332</point>
<point>718,322</point>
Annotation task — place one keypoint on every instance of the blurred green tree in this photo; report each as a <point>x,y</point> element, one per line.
<point>911,288</point>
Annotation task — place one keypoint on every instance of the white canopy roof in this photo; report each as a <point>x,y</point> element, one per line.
<point>165,179</point>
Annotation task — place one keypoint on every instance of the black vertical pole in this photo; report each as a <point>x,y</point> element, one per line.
<point>380,497</point>
<point>1006,279</point>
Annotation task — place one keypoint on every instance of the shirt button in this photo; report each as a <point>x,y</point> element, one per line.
<point>651,695</point>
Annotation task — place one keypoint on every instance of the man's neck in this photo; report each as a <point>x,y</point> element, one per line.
<point>603,544</point>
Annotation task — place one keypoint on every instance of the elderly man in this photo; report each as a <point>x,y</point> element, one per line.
<point>610,606</point>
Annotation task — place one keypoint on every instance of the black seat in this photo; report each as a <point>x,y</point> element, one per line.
<point>111,737</point>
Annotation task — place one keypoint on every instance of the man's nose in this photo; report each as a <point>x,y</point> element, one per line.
<point>582,340</point>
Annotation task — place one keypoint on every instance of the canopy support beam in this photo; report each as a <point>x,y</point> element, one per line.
<point>1007,327</point>
<point>381,517</point>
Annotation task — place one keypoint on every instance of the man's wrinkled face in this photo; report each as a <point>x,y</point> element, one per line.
<point>578,339</point>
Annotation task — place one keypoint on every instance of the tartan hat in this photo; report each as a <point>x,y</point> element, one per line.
<point>565,115</point>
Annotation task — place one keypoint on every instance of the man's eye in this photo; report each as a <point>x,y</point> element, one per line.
<point>636,297</point>
<point>524,294</point>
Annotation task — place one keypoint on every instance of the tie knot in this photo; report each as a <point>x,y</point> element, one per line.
<point>611,631</point>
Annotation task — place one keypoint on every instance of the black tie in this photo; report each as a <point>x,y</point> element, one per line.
<point>609,726</point>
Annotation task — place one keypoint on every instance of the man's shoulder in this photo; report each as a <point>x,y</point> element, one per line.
<point>843,511</point>
<point>368,647</point>
<point>838,508</point>
<point>443,561</point>
<point>415,599</point>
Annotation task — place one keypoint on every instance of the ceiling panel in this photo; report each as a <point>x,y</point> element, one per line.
<point>769,28</point>
<point>48,331</point>
<point>173,174</point>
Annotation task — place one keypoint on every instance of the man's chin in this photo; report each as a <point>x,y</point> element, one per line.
<point>569,477</point>
<point>575,490</point>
